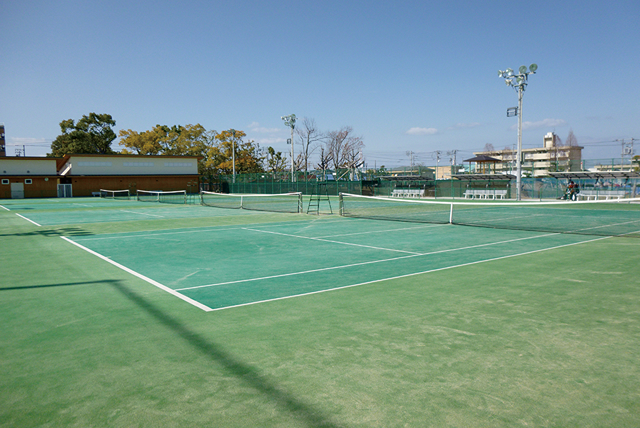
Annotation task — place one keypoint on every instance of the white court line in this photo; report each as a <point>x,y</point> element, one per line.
<point>425,226</point>
<point>2,206</point>
<point>364,263</point>
<point>407,275</point>
<point>330,241</point>
<point>139,275</point>
<point>27,219</point>
<point>133,212</point>
<point>608,225</point>
<point>119,235</point>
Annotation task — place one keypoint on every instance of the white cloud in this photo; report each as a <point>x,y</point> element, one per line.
<point>546,123</point>
<point>255,127</point>
<point>422,131</point>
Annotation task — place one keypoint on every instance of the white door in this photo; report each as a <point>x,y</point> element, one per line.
<point>64,191</point>
<point>17,190</point>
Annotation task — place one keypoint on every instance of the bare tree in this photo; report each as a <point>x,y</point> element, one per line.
<point>354,158</point>
<point>340,144</point>
<point>325,161</point>
<point>558,140</point>
<point>489,147</point>
<point>309,137</point>
<point>571,139</point>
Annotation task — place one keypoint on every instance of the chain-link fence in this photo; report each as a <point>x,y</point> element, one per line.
<point>384,185</point>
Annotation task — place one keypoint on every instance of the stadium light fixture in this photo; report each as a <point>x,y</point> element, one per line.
<point>290,121</point>
<point>519,83</point>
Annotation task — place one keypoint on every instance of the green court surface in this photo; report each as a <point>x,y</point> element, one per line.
<point>124,313</point>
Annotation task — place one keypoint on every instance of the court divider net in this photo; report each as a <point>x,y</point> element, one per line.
<point>601,218</point>
<point>115,194</point>
<point>168,197</point>
<point>279,202</point>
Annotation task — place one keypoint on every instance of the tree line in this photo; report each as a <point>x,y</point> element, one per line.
<point>314,149</point>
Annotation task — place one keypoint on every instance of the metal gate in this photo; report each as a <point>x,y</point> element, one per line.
<point>64,191</point>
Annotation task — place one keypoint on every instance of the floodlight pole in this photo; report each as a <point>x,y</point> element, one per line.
<point>519,83</point>
<point>233,152</point>
<point>519,160</point>
<point>291,122</point>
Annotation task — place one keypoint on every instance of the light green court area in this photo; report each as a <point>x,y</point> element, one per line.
<point>316,321</point>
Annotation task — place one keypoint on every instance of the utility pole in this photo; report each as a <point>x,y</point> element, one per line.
<point>452,153</point>
<point>627,150</point>
<point>233,152</point>
<point>410,154</point>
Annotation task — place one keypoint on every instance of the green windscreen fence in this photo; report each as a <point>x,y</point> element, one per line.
<point>309,184</point>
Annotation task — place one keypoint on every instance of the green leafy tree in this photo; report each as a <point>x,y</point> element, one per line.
<point>219,156</point>
<point>90,135</point>
<point>215,149</point>
<point>276,162</point>
<point>178,140</point>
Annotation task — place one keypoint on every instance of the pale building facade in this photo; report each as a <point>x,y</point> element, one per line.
<point>539,161</point>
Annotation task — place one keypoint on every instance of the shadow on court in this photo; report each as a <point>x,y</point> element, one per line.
<point>242,371</point>
<point>65,231</point>
<point>69,284</point>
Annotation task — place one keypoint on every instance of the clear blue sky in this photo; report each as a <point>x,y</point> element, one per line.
<point>406,75</point>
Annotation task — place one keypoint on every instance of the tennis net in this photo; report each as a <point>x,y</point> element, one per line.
<point>603,218</point>
<point>114,194</point>
<point>279,202</point>
<point>168,197</point>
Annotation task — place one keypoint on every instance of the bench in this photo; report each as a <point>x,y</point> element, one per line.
<point>605,194</point>
<point>406,193</point>
<point>485,194</point>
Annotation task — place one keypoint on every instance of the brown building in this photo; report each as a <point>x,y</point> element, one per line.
<point>86,175</point>
<point>28,177</point>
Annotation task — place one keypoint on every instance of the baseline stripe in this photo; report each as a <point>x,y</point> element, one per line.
<point>139,275</point>
<point>31,221</point>
<point>133,212</point>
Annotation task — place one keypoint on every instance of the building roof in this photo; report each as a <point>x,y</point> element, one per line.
<point>485,177</point>
<point>481,159</point>
<point>405,178</point>
<point>26,158</point>
<point>595,174</point>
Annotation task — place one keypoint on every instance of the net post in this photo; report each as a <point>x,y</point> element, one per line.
<point>451,214</point>
<point>340,205</point>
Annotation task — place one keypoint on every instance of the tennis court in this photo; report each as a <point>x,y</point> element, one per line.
<point>331,320</point>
